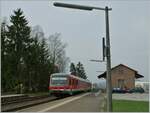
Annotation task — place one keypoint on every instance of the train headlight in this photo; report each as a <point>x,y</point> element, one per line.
<point>61,89</point>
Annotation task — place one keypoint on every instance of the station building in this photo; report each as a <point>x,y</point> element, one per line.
<point>122,76</point>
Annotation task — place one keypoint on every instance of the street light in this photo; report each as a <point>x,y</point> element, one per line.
<point>81,7</point>
<point>108,58</point>
<point>97,60</point>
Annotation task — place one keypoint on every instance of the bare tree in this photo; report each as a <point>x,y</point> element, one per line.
<point>63,62</point>
<point>37,31</point>
<point>57,51</point>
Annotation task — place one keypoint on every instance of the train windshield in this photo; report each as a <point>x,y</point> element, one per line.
<point>58,81</point>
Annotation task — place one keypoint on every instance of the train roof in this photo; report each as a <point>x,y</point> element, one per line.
<point>59,74</point>
<point>67,74</point>
<point>85,80</point>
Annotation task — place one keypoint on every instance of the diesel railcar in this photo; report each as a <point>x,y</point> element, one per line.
<point>62,83</point>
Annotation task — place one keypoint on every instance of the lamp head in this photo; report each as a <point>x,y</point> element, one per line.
<point>57,4</point>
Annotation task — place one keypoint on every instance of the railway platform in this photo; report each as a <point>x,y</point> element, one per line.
<point>92,102</point>
<point>13,95</point>
<point>5,99</point>
<point>85,102</point>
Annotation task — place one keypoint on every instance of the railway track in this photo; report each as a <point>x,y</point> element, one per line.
<point>19,102</point>
<point>18,99</point>
<point>15,103</point>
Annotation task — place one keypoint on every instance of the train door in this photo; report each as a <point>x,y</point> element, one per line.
<point>71,85</point>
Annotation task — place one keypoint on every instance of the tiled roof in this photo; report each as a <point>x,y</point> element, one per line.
<point>103,75</point>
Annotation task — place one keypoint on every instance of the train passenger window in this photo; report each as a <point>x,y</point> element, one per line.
<point>70,81</point>
<point>77,82</point>
<point>73,81</point>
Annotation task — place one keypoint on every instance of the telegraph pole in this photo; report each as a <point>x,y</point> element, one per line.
<point>108,58</point>
<point>108,80</point>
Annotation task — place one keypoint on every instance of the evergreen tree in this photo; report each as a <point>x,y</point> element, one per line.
<point>39,64</point>
<point>73,69</point>
<point>45,65</point>
<point>83,74</point>
<point>78,68</point>
<point>19,44</point>
<point>26,57</point>
<point>32,66</point>
<point>4,58</point>
<point>80,71</point>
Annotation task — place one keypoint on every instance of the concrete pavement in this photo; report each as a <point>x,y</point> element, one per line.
<point>86,102</point>
<point>93,102</point>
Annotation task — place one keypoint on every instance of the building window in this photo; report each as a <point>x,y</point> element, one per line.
<point>121,83</point>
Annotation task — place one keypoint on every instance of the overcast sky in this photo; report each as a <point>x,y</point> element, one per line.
<point>83,31</point>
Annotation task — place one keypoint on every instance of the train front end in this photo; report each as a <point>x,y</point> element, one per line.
<point>58,84</point>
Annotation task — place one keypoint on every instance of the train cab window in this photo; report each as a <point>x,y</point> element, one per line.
<point>58,81</point>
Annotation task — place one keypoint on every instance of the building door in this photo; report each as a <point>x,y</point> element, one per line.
<point>121,83</point>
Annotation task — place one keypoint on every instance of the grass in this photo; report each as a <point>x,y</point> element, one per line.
<point>130,106</point>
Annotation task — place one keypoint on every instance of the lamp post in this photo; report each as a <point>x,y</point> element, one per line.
<point>108,58</point>
<point>92,60</point>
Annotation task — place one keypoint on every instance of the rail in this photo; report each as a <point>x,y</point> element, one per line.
<point>19,102</point>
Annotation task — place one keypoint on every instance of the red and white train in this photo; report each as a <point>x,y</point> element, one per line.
<point>62,83</point>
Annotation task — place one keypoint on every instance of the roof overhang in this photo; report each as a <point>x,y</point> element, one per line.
<point>103,75</point>
<point>138,76</point>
